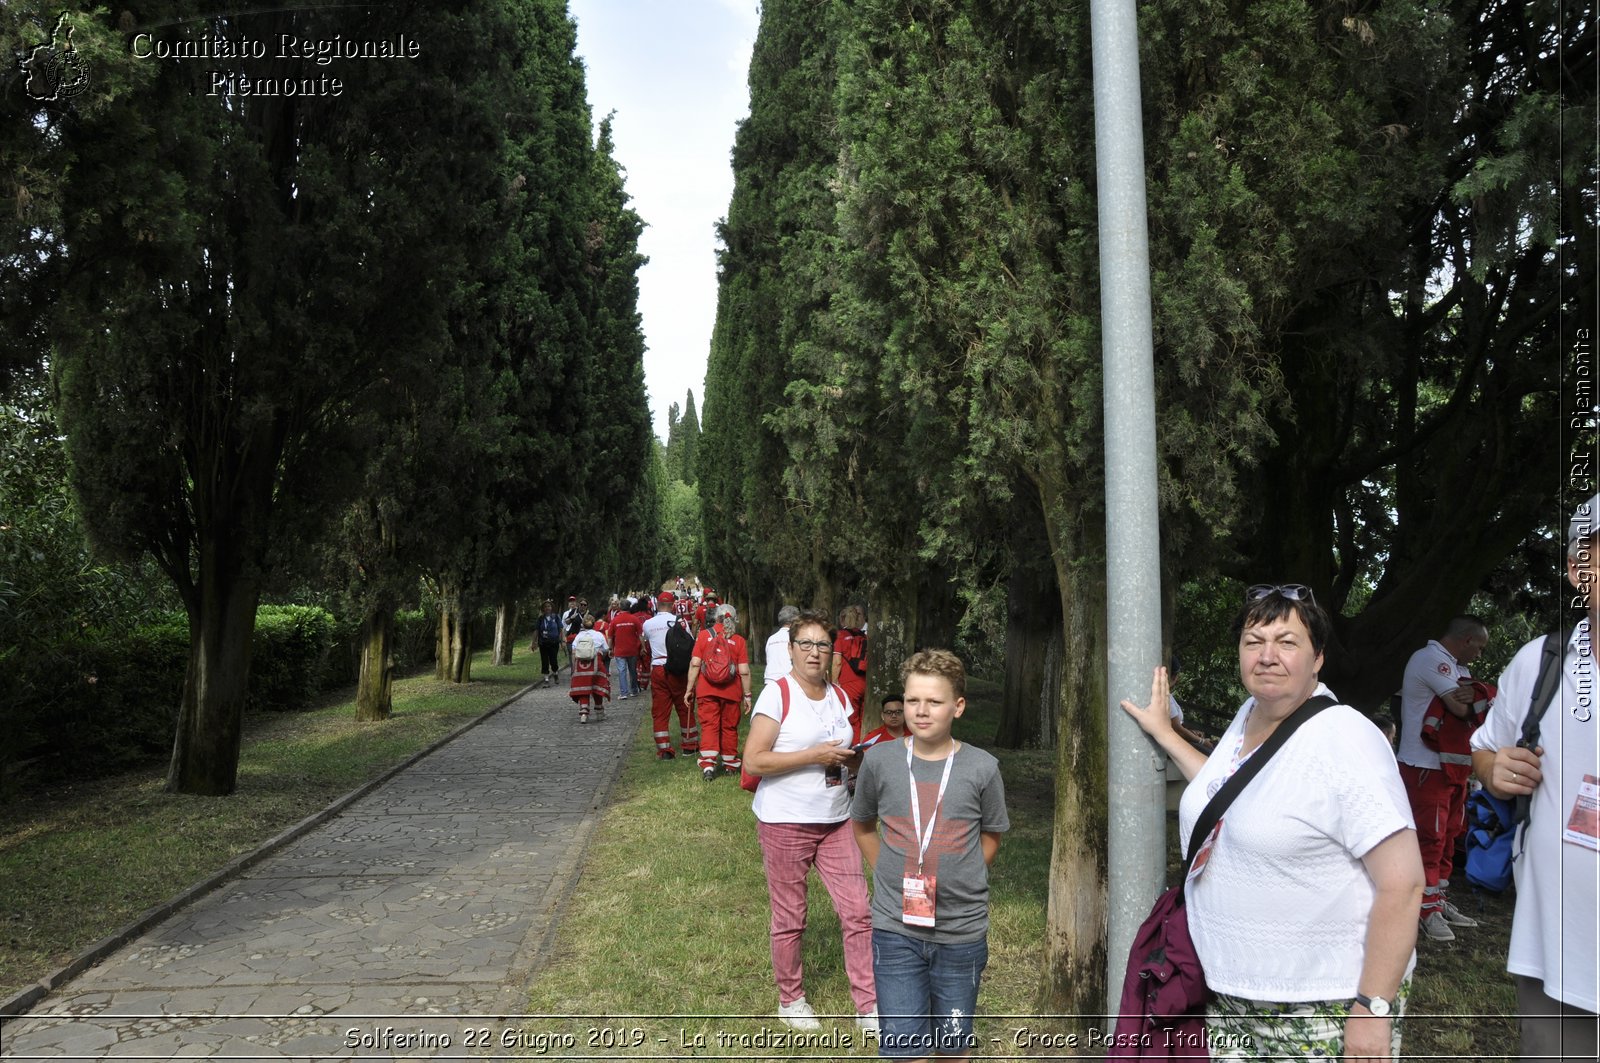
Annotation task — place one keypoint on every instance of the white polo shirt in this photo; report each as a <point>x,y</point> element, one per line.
<point>654,632</point>
<point>1431,672</point>
<point>778,661</point>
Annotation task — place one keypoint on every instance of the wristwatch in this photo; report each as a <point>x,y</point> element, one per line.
<point>1377,1005</point>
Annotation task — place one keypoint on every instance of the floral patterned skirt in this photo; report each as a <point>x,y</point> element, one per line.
<point>1310,1029</point>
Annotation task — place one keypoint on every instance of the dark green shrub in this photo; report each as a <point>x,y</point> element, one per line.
<point>103,701</point>
<point>99,702</point>
<point>415,638</point>
<point>294,651</point>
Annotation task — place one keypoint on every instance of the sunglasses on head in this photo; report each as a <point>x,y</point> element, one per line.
<point>1295,592</point>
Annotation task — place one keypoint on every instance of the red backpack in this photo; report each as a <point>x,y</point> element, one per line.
<point>717,666</point>
<point>853,648</point>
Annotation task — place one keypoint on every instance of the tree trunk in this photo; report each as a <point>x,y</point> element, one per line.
<point>757,617</point>
<point>1033,654</point>
<point>939,611</point>
<point>222,617</point>
<point>505,631</point>
<point>375,681</point>
<point>825,591</point>
<point>1075,928</point>
<point>891,636</point>
<point>454,664</point>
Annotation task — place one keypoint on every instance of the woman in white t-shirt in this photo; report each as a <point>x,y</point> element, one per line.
<point>1303,909</point>
<point>800,746</point>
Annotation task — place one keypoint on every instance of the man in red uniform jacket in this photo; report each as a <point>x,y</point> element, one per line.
<point>624,635</point>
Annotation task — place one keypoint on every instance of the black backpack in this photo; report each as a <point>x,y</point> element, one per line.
<point>680,649</point>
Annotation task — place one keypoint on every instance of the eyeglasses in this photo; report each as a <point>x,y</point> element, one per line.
<point>893,712</point>
<point>1295,592</point>
<point>808,646</point>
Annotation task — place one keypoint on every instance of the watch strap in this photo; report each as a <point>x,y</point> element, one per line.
<point>1379,1006</point>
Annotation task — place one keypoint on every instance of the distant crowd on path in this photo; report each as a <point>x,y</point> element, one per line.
<point>1304,913</point>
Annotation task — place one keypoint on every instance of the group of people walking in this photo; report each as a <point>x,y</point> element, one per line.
<point>1305,901</point>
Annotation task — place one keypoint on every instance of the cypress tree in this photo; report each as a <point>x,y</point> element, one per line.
<point>541,300</point>
<point>758,534</point>
<point>689,453</point>
<point>256,280</point>
<point>623,492</point>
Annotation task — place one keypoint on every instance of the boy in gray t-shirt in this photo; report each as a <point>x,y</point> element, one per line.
<point>930,898</point>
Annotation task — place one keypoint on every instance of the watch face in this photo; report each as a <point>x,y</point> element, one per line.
<point>1378,1006</point>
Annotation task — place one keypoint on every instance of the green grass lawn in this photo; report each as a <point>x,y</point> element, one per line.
<point>78,861</point>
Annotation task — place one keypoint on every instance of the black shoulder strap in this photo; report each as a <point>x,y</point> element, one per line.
<point>1544,692</point>
<point>1231,789</point>
<point>1544,688</point>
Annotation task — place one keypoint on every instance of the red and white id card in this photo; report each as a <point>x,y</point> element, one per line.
<point>1583,823</point>
<point>1200,858</point>
<point>916,899</point>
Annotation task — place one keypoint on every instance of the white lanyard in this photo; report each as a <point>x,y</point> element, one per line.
<point>924,837</point>
<point>835,721</point>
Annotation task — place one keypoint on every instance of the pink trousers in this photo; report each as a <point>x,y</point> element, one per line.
<point>788,850</point>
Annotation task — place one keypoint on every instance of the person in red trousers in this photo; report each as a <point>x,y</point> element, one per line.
<point>666,689</point>
<point>1438,801</point>
<point>719,689</point>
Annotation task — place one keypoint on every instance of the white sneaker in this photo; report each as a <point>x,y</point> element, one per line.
<point>798,1014</point>
<point>868,1021</point>
<point>1456,917</point>
<point>1435,928</point>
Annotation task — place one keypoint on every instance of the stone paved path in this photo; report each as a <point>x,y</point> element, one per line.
<point>376,935</point>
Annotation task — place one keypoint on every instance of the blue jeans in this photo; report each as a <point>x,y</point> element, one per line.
<point>927,993</point>
<point>627,677</point>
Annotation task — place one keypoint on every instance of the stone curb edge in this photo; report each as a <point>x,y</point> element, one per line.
<point>21,1002</point>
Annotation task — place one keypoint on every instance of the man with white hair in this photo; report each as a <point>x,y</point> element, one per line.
<point>1553,929</point>
<point>778,660</point>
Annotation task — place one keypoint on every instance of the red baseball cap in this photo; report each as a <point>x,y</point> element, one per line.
<point>667,598</point>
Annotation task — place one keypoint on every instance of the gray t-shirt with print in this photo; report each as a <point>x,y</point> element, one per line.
<point>974,803</point>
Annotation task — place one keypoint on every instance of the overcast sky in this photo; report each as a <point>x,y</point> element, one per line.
<point>674,73</point>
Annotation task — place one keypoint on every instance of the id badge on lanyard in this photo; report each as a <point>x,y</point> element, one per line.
<point>918,892</point>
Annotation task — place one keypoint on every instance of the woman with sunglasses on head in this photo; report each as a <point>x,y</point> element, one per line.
<point>1302,901</point>
<point>800,746</point>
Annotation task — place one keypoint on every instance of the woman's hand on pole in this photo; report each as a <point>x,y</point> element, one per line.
<point>1155,719</point>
